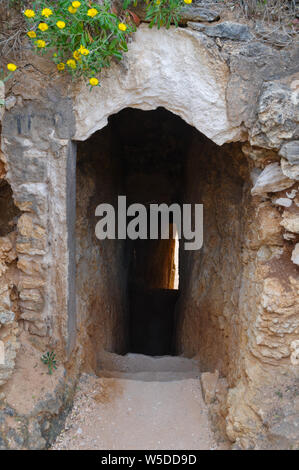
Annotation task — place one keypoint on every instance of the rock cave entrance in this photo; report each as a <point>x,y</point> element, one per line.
<point>129,298</point>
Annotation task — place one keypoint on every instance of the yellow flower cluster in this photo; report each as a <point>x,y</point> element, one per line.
<point>82,51</point>
<point>188,2</point>
<point>92,12</point>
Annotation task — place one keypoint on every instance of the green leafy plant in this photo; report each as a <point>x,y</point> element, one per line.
<point>49,358</point>
<point>84,36</point>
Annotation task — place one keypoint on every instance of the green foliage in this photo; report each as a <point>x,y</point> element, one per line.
<point>50,360</point>
<point>83,37</point>
<point>161,12</point>
<point>3,76</point>
<point>83,40</point>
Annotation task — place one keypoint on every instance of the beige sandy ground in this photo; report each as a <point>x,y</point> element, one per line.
<point>142,403</point>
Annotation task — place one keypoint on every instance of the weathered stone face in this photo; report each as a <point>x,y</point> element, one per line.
<point>181,71</point>
<point>9,311</point>
<point>239,305</point>
<point>271,179</point>
<point>278,115</point>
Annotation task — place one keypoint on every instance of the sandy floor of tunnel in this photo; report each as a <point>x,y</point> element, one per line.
<point>137,412</point>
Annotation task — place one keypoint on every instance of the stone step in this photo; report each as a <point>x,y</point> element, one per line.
<point>135,363</point>
<point>152,376</point>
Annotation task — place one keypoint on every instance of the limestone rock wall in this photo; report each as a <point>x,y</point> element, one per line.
<point>210,324</point>
<point>9,308</point>
<point>36,170</point>
<point>101,278</point>
<point>238,310</point>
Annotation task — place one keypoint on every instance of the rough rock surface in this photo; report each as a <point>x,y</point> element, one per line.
<point>289,169</point>
<point>32,419</point>
<point>10,101</point>
<point>278,115</point>
<point>208,384</point>
<point>263,91</point>
<point>199,13</point>
<point>272,179</point>
<point>181,71</point>
<point>8,325</point>
<point>283,201</point>
<point>290,151</point>
<point>290,221</point>
<point>225,30</point>
<point>295,254</point>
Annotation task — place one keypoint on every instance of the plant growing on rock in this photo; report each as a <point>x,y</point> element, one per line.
<point>49,358</point>
<point>84,36</point>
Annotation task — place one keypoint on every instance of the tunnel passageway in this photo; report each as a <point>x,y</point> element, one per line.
<point>153,297</point>
<point>142,158</point>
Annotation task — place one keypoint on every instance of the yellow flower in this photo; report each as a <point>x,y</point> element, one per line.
<point>76,55</point>
<point>29,13</point>
<point>84,51</point>
<point>158,2</point>
<point>122,27</point>
<point>40,43</point>
<point>93,81</point>
<point>71,63</point>
<point>47,12</point>
<point>43,26</point>
<point>188,1</point>
<point>31,34</point>
<point>60,24</point>
<point>61,66</point>
<point>12,67</point>
<point>72,9</point>
<point>92,12</point>
<point>76,4</point>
